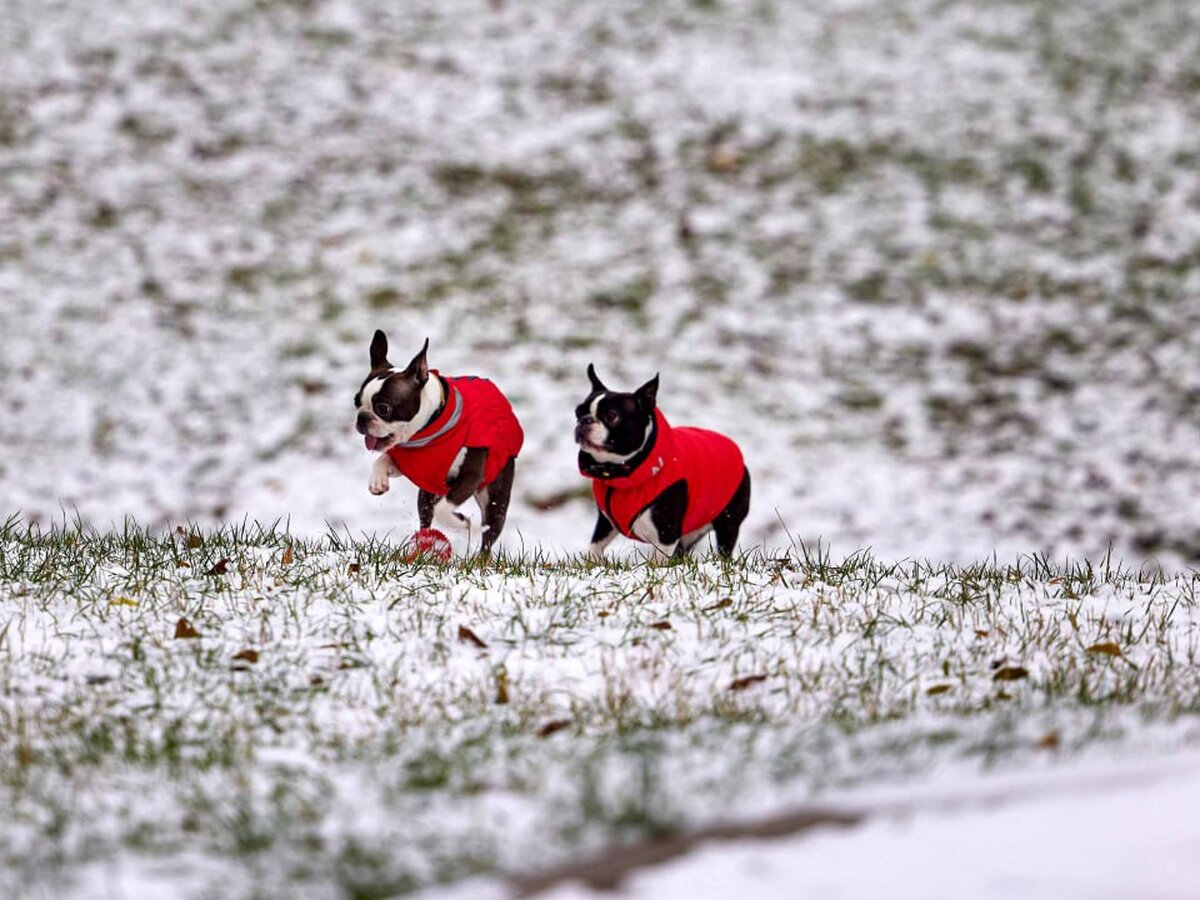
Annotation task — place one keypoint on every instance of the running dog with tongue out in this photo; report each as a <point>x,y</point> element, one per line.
<point>453,437</point>
<point>667,487</point>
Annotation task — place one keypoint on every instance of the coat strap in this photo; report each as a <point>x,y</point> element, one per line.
<point>448,426</point>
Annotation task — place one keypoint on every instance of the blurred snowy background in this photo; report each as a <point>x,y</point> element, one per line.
<point>935,264</point>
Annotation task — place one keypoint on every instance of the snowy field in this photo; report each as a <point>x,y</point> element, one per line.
<point>1124,831</point>
<point>249,715</point>
<point>935,265</point>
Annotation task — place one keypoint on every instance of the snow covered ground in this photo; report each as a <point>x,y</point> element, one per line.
<point>245,714</point>
<point>934,264</point>
<point>1114,832</point>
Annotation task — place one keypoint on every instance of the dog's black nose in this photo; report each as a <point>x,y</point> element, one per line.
<point>364,419</point>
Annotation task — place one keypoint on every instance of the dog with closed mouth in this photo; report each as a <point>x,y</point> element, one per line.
<point>454,437</point>
<point>664,486</point>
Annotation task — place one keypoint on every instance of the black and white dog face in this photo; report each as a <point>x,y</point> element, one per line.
<point>393,404</point>
<point>611,427</point>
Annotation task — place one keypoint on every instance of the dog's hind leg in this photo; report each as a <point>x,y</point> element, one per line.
<point>464,480</point>
<point>661,523</point>
<point>729,520</point>
<point>688,542</point>
<point>425,502</point>
<point>493,505</point>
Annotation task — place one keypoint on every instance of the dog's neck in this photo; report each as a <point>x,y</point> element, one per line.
<point>433,400</point>
<point>603,464</point>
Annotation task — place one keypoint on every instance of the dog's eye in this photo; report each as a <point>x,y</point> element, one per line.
<point>610,417</point>
<point>383,409</point>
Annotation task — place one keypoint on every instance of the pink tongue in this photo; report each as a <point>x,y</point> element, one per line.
<point>372,442</point>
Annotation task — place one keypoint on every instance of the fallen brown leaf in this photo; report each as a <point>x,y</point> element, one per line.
<point>550,727</point>
<point>1010,673</point>
<point>740,684</point>
<point>184,630</point>
<point>1048,741</point>
<point>466,635</point>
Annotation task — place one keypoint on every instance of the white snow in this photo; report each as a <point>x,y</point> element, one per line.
<point>1124,831</point>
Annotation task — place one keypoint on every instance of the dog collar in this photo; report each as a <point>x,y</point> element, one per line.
<point>638,467</point>
<point>447,426</point>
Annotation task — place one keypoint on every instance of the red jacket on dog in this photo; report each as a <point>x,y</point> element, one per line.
<point>710,463</point>
<point>475,414</point>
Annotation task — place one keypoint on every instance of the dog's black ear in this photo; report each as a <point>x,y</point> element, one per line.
<point>597,384</point>
<point>379,351</point>
<point>647,394</point>
<point>419,367</point>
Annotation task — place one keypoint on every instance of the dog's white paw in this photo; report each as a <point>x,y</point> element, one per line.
<point>381,476</point>
<point>446,515</point>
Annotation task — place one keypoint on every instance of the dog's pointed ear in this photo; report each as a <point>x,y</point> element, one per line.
<point>379,351</point>
<point>597,384</point>
<point>647,394</point>
<point>419,367</point>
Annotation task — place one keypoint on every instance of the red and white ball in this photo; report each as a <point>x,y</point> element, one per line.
<point>429,543</point>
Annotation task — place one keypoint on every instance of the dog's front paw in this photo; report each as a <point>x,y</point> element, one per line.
<point>381,475</point>
<point>445,514</point>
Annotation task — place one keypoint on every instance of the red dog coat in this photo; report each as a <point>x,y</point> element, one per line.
<point>475,414</point>
<point>710,463</point>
